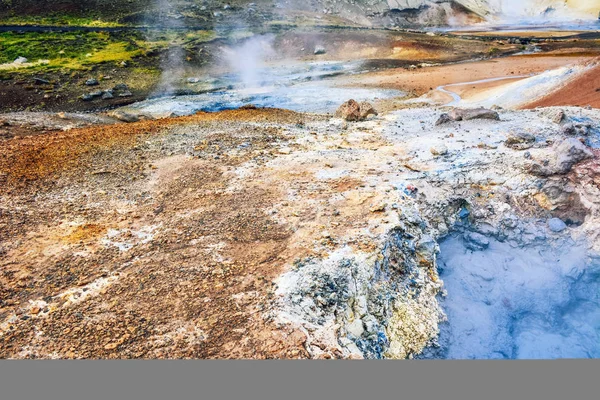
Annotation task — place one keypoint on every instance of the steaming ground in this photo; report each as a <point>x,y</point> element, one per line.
<point>302,87</point>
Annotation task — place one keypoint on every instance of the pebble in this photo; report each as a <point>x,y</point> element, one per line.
<point>557,225</point>
<point>439,150</point>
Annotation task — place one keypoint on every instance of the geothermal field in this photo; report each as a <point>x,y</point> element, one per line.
<point>300,179</point>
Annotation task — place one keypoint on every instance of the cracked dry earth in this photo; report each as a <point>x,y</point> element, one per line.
<point>266,233</point>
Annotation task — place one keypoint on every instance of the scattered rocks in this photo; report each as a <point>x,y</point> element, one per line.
<point>464,114</point>
<point>557,225</point>
<point>572,129</point>
<point>520,141</point>
<point>353,111</point>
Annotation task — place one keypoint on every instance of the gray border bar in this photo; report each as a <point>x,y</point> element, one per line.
<point>229,380</point>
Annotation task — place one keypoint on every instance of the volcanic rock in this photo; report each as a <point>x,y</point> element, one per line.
<point>520,141</point>
<point>350,111</point>
<point>124,116</point>
<point>464,114</point>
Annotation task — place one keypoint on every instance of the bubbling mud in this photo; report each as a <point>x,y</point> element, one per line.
<point>509,301</point>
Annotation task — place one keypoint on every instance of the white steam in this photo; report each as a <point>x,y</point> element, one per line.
<point>248,60</point>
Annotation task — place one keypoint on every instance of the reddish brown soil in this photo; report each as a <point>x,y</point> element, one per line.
<point>422,80</point>
<point>582,91</point>
<point>201,288</point>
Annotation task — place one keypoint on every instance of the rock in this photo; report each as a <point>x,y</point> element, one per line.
<point>464,114</point>
<point>356,328</point>
<point>350,111</point>
<point>366,110</point>
<point>87,97</point>
<point>556,116</point>
<point>40,81</point>
<point>320,50</point>
<point>520,141</point>
<point>569,153</point>
<point>557,225</point>
<point>571,129</point>
<point>476,241</point>
<point>92,82</point>
<point>444,119</point>
<point>20,60</point>
<point>378,208</point>
<point>126,93</point>
<point>108,94</point>
<point>124,116</point>
<point>439,150</point>
<point>120,87</point>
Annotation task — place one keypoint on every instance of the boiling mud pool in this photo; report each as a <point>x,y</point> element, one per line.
<point>519,302</point>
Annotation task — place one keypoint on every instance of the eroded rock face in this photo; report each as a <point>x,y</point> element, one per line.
<point>384,303</point>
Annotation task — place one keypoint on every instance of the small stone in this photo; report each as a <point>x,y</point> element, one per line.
<point>111,346</point>
<point>20,60</point>
<point>557,225</point>
<point>350,111</point>
<point>92,82</point>
<point>124,116</point>
<point>476,241</point>
<point>366,110</point>
<point>443,119</point>
<point>379,208</point>
<point>356,328</point>
<point>108,94</point>
<point>520,141</point>
<point>320,50</point>
<point>120,87</point>
<point>439,150</point>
